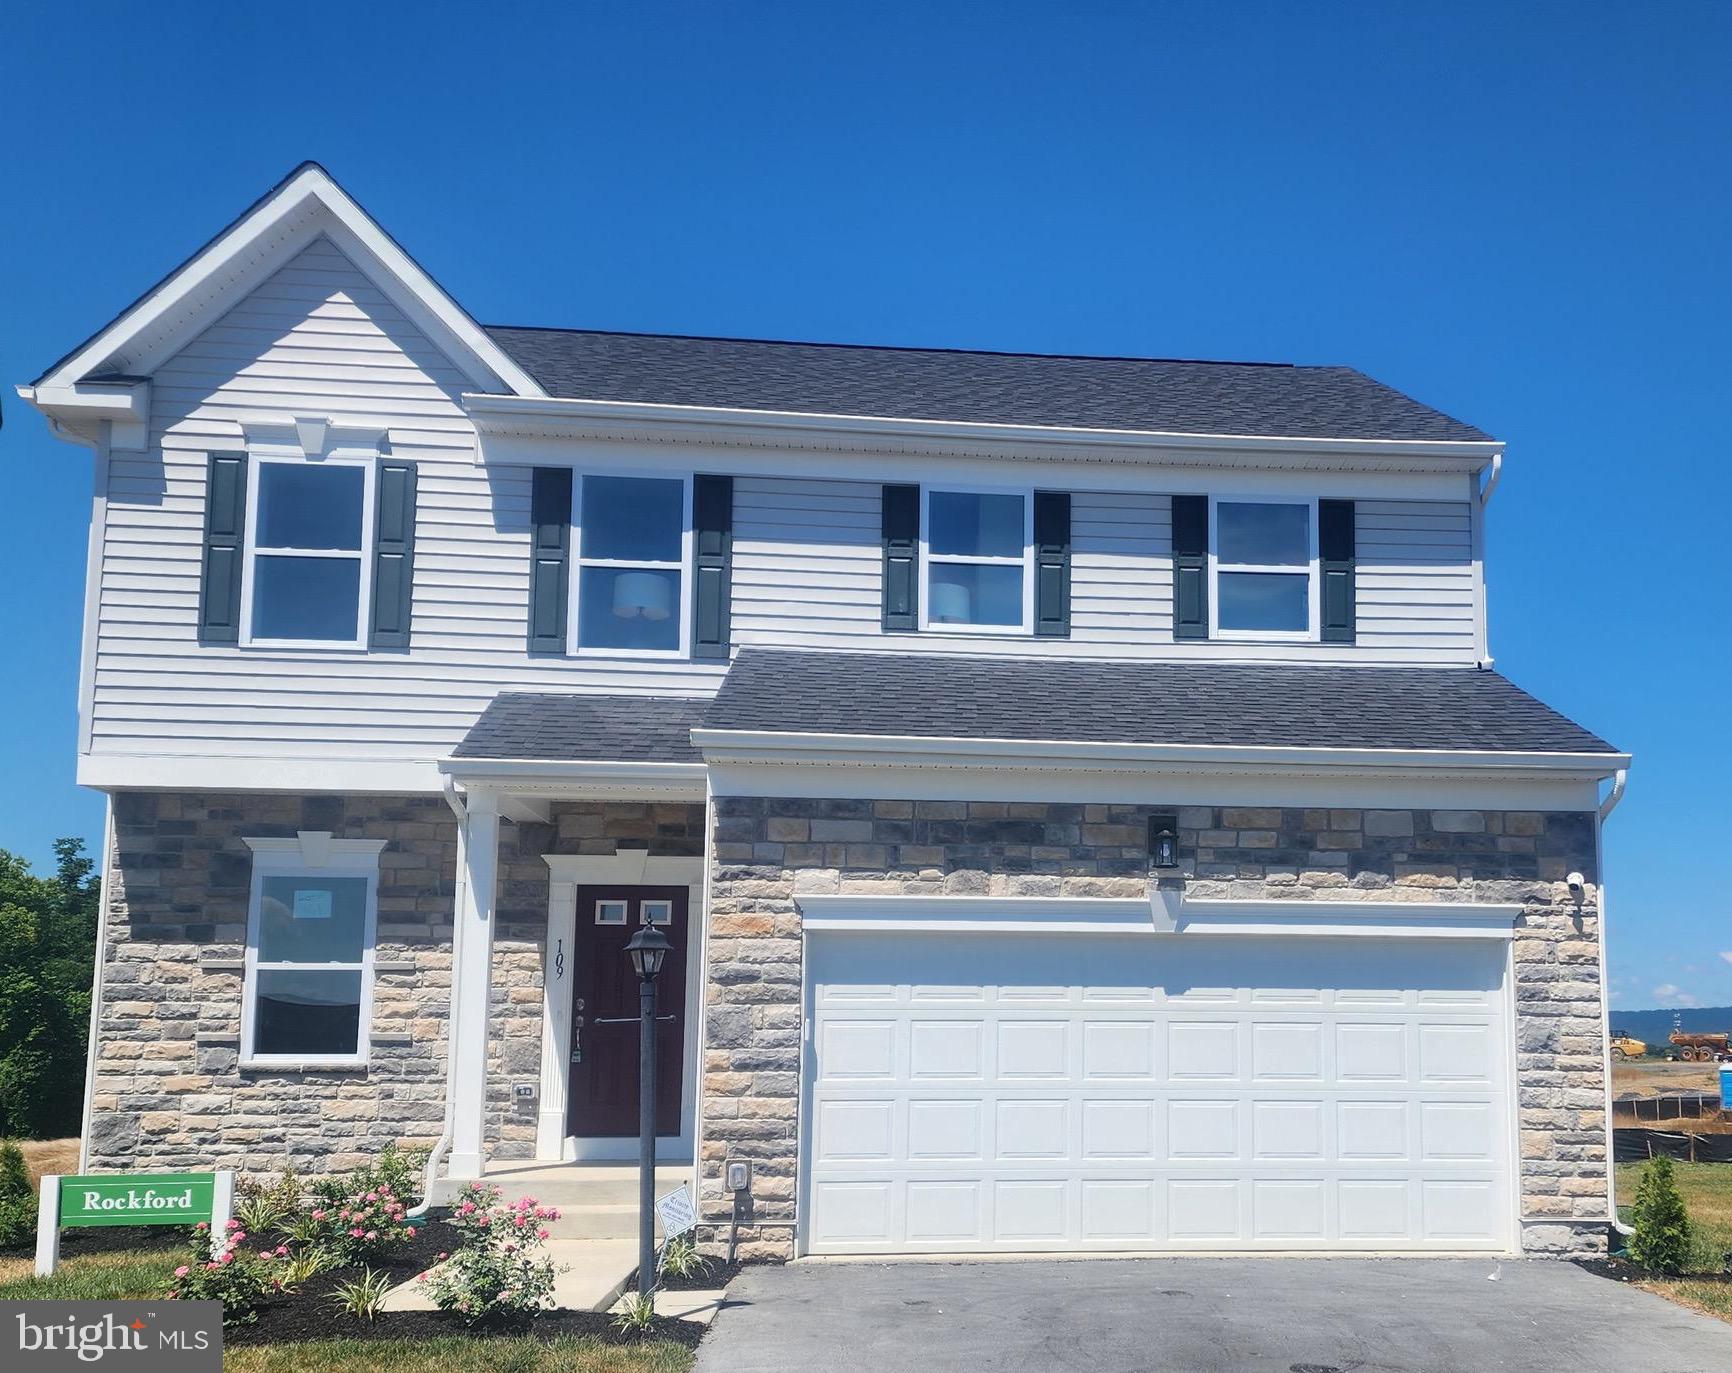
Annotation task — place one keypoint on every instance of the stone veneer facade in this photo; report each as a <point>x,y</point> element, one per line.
<point>768,851</point>
<point>169,1090</point>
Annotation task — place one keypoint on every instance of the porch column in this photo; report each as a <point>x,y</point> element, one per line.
<point>556,970</point>
<point>471,983</point>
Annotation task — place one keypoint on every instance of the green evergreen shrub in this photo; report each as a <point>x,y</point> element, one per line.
<point>1661,1242</point>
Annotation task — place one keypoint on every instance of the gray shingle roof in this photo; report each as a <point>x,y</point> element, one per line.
<point>636,729</point>
<point>1154,394</point>
<point>945,696</point>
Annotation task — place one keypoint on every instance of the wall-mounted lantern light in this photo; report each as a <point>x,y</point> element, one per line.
<point>1164,841</point>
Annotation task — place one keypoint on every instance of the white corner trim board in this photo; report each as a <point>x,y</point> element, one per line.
<point>1165,911</point>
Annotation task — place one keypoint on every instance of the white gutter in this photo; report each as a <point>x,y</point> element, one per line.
<point>767,745</point>
<point>553,770</point>
<point>495,414</point>
<point>442,1145</point>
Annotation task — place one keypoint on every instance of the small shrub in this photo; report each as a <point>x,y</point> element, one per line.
<point>636,1315</point>
<point>681,1259</point>
<point>498,1275</point>
<point>310,1262</point>
<point>14,1176</point>
<point>17,1200</point>
<point>394,1169</point>
<point>365,1296</point>
<point>260,1208</point>
<point>364,1225</point>
<point>237,1277</point>
<point>1661,1242</point>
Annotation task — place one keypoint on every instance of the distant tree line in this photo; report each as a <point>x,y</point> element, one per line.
<point>47,949</point>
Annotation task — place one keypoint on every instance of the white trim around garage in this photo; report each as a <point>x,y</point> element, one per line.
<point>1166,911</point>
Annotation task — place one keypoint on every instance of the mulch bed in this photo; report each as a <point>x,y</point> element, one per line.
<point>309,1313</point>
<point>1622,1270</point>
<point>294,1321</point>
<point>77,1241</point>
<point>715,1273</point>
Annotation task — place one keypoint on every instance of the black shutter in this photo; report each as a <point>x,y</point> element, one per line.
<point>1336,555</point>
<point>713,537</point>
<point>225,537</point>
<point>1190,567</point>
<point>549,557</point>
<point>393,555</point>
<point>1052,563</point>
<point>901,527</point>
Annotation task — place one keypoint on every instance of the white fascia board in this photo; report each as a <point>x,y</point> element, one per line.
<point>754,746</point>
<point>620,781</point>
<point>206,772</point>
<point>1164,912</point>
<point>78,411</point>
<point>1152,786</point>
<point>308,203</point>
<point>504,417</point>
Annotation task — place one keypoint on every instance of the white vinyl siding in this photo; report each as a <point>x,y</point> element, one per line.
<point>319,339</point>
<point>1415,589</point>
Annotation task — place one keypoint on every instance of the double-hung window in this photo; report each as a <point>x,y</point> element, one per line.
<point>1263,555</point>
<point>309,962</point>
<point>307,570</point>
<point>977,571</point>
<point>632,541</point>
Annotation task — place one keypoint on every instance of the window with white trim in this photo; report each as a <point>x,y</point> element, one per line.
<point>308,990</point>
<point>1263,558</point>
<point>307,571</point>
<point>976,566</point>
<point>631,542</point>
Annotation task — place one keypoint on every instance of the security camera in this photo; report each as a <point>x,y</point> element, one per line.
<point>1578,886</point>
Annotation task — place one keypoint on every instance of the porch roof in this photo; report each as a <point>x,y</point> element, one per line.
<point>565,727</point>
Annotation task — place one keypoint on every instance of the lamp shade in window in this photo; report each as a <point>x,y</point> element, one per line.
<point>950,603</point>
<point>648,594</point>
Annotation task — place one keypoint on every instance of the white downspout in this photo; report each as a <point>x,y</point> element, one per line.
<point>1482,625</point>
<point>1607,806</point>
<point>441,1145</point>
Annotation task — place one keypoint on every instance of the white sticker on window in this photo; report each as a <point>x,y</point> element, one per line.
<point>312,903</point>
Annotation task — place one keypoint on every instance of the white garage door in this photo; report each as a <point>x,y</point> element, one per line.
<point>1045,1092</point>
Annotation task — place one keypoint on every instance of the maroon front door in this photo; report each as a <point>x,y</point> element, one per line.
<point>605,1010</point>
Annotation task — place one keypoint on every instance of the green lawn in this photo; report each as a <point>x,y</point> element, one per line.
<point>1707,1191</point>
<point>121,1275</point>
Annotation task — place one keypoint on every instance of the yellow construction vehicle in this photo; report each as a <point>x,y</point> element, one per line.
<point>1624,1046</point>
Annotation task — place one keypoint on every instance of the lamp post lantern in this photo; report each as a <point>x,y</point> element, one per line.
<point>647,949</point>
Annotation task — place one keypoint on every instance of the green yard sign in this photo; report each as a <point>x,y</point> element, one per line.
<point>130,1199</point>
<point>138,1199</point>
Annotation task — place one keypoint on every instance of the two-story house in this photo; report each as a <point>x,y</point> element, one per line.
<point>1076,789</point>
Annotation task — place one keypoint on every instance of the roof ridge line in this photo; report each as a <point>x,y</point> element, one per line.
<point>919,348</point>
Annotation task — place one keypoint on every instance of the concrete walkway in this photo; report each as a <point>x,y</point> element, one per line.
<point>1204,1316</point>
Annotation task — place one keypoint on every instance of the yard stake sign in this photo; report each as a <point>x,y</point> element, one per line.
<point>130,1199</point>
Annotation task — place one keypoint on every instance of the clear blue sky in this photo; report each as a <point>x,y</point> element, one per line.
<point>1518,212</point>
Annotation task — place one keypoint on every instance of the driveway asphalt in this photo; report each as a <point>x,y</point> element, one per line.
<point>1204,1316</point>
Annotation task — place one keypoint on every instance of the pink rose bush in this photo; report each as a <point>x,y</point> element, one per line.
<point>361,1226</point>
<point>499,1275</point>
<point>227,1272</point>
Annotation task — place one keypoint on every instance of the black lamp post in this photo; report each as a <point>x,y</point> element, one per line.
<point>648,949</point>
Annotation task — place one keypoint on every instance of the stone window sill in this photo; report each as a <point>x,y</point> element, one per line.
<point>310,1065</point>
